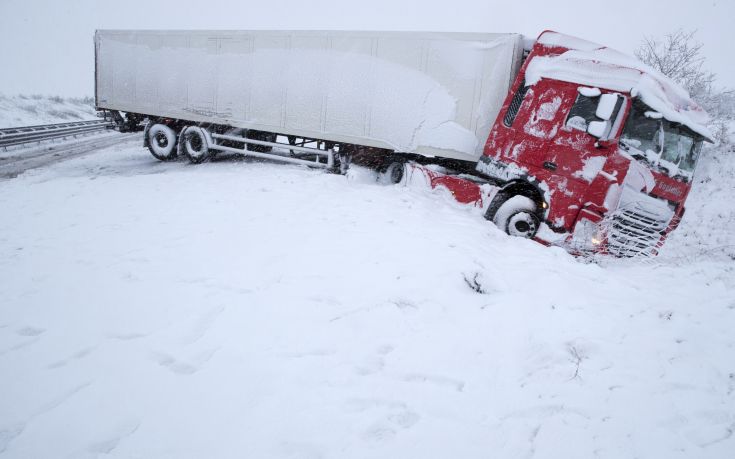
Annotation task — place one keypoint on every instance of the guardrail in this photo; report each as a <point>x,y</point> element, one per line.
<point>27,134</point>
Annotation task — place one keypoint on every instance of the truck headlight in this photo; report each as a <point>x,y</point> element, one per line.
<point>587,236</point>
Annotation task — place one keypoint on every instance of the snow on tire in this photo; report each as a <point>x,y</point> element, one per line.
<point>517,217</point>
<point>195,144</point>
<point>393,174</point>
<point>162,142</point>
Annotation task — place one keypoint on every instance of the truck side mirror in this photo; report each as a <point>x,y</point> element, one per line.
<point>598,128</point>
<point>606,106</point>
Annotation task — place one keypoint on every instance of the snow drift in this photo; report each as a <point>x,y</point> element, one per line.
<point>244,309</point>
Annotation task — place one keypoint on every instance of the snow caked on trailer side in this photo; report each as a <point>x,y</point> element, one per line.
<point>435,94</point>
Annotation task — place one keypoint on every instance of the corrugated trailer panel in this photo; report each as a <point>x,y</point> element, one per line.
<point>435,94</point>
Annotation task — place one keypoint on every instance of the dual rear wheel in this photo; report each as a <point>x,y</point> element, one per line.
<point>164,143</point>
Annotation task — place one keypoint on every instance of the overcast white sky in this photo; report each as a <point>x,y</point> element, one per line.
<point>46,46</point>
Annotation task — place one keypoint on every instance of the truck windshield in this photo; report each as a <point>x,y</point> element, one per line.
<point>680,147</point>
<point>642,134</point>
<point>660,143</point>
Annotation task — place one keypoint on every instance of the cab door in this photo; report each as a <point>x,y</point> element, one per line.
<point>537,127</point>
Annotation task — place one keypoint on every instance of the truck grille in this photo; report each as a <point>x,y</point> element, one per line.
<point>632,234</point>
<point>637,227</point>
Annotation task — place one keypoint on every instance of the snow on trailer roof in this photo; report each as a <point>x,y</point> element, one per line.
<point>592,64</point>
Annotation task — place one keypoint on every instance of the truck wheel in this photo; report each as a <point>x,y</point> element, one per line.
<point>393,173</point>
<point>260,135</point>
<point>162,142</point>
<point>195,144</point>
<point>517,216</point>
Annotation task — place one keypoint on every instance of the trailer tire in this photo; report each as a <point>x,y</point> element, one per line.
<point>162,142</point>
<point>195,144</point>
<point>393,172</point>
<point>517,216</point>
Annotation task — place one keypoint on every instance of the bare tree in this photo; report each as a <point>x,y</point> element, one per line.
<point>679,56</point>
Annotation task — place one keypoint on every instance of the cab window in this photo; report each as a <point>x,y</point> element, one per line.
<point>584,112</point>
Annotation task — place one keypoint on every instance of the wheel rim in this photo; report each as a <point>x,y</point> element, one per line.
<point>161,140</point>
<point>523,224</point>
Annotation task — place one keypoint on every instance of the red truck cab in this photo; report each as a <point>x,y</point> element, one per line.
<point>592,150</point>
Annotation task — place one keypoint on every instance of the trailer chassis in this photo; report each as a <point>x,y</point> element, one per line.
<point>170,138</point>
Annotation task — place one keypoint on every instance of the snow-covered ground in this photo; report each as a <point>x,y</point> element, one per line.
<point>28,110</point>
<point>246,309</point>
<point>707,230</point>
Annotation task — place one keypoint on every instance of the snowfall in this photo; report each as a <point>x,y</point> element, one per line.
<point>251,309</point>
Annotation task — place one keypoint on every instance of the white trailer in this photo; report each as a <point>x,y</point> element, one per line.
<point>429,94</point>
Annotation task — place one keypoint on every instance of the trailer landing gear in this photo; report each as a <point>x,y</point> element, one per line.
<point>129,123</point>
<point>343,163</point>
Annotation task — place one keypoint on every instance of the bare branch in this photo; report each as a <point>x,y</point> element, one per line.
<point>679,56</point>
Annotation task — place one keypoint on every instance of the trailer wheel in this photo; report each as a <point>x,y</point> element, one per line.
<point>260,135</point>
<point>516,216</point>
<point>393,173</point>
<point>195,144</point>
<point>162,142</point>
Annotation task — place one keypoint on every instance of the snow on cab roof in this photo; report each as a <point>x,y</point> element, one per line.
<point>595,65</point>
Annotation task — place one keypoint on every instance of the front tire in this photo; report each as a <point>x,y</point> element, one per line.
<point>517,216</point>
<point>162,142</point>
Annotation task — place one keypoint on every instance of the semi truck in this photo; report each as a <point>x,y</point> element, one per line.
<point>556,139</point>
